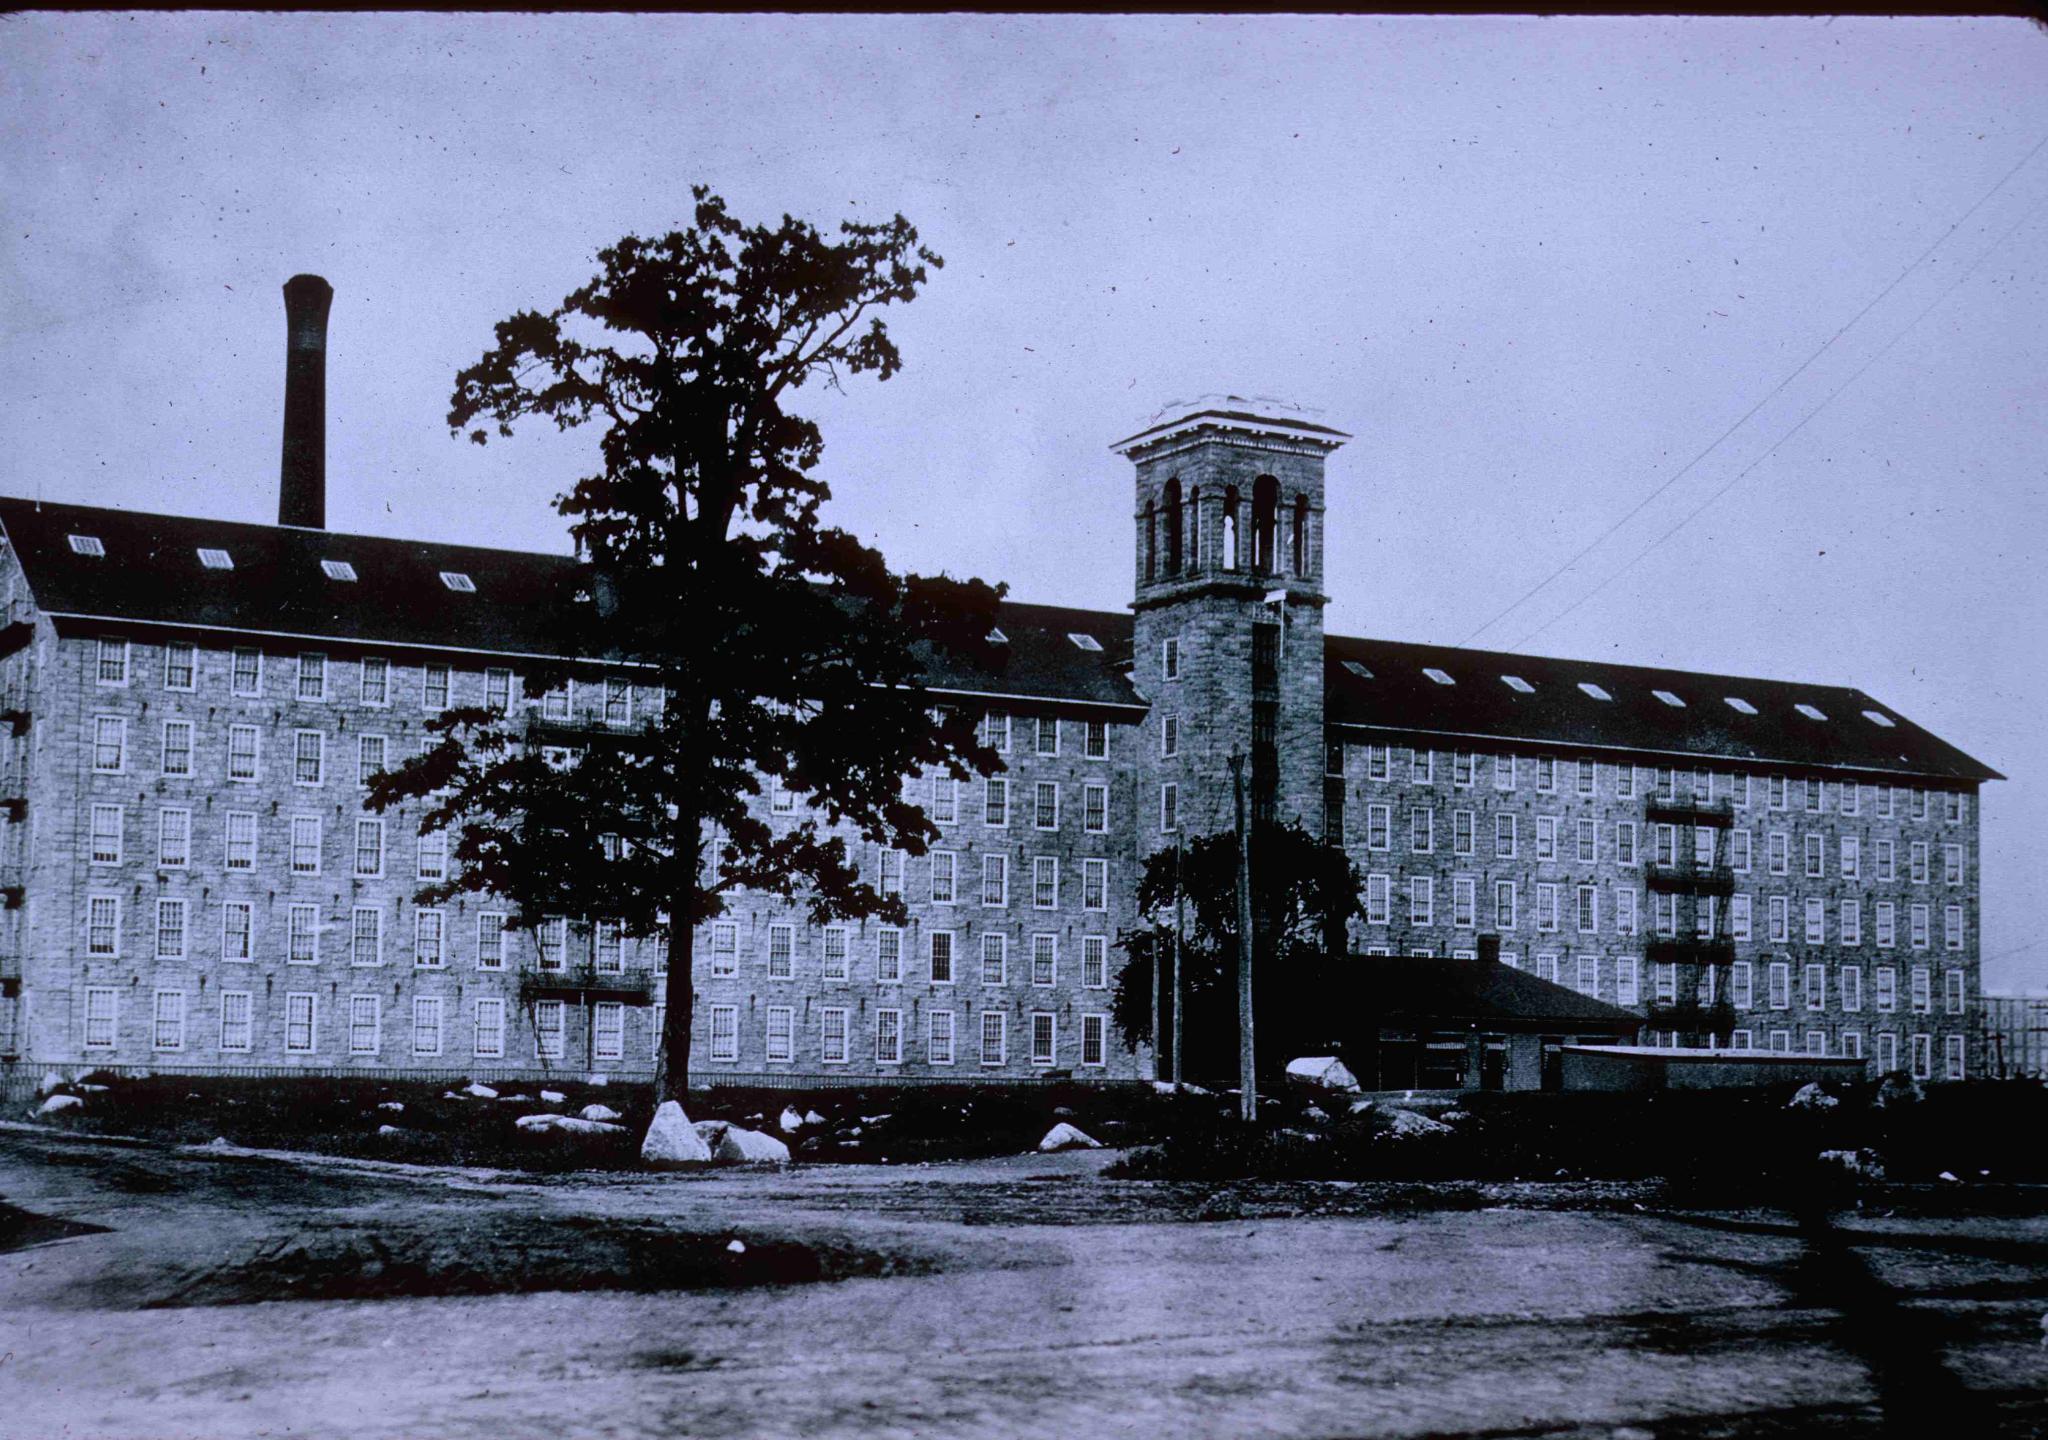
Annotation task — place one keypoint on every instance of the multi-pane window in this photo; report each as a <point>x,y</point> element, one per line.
<point>608,948</point>
<point>945,800</point>
<point>1588,844</point>
<point>554,704</point>
<point>1504,904</point>
<point>1923,990</point>
<point>1887,990</point>
<point>177,757</point>
<point>369,757</point>
<point>1887,924</point>
<point>181,664</point>
<point>552,938</point>
<point>832,1035</point>
<point>995,880</point>
<point>1095,743</point>
<point>1045,959</point>
<point>1738,851</point>
<point>1624,911</point>
<point>1780,850</point>
<point>1094,1034</point>
<point>1421,829</point>
<point>1546,837</point>
<point>246,675</point>
<point>364,1025</point>
<point>103,925</point>
<point>1421,900</point>
<point>1816,987</point>
<point>781,952</point>
<point>1464,766</point>
<point>434,687</point>
<point>426,1025</point>
<point>1625,842</point>
<point>237,931</point>
<point>429,935</point>
<point>1095,809</point>
<point>1626,981</point>
<point>1169,806</point>
<point>490,941</point>
<point>1046,735</point>
<point>1851,922</point>
<point>1952,864</point>
<point>1741,980</point>
<point>1094,884</point>
<point>994,960</point>
<point>173,838</point>
<point>1045,810</point>
<point>1919,862</point>
<point>551,1027</point>
<point>311,683</point>
<point>109,743</point>
<point>994,1037</point>
<point>1462,825</point>
<point>1588,979</point>
<point>1378,823</point>
<point>1781,920</point>
<point>780,1034</point>
<point>302,935</point>
<point>1044,1038</point>
<point>940,944</point>
<point>1851,988</point>
<point>1045,883</point>
<point>1952,1051</point>
<point>618,702</point>
<point>111,667</point>
<point>889,957</point>
<point>1919,914</point>
<point>1094,962</point>
<point>490,1028</point>
<point>1546,774</point>
<point>890,869</point>
<point>1816,850</point>
<point>243,752</point>
<point>1952,927</point>
<point>945,867</point>
<point>1546,907</point>
<point>833,962</point>
<point>1952,992</point>
<point>305,845</point>
<point>301,1018</point>
<point>1851,794</point>
<point>1378,761</point>
<point>995,802</point>
<point>1464,902</point>
<point>433,856</point>
<point>1781,985</point>
<point>995,729</point>
<point>170,929</point>
<point>106,834</point>
<point>237,1026</point>
<point>1169,736</point>
<point>1816,920</point>
<point>1422,766</point>
<point>366,936</point>
<point>1589,910</point>
<point>309,757</point>
<point>374,687</point>
<point>1378,904</point>
<point>498,689</point>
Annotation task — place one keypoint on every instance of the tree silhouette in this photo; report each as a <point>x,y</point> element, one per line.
<point>783,648</point>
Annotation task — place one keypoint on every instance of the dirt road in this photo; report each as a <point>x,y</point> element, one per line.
<point>214,1299</point>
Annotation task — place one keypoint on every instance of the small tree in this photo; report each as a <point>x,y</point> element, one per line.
<point>1304,894</point>
<point>781,647</point>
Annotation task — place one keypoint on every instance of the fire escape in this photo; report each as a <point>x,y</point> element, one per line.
<point>14,723</point>
<point>1688,863</point>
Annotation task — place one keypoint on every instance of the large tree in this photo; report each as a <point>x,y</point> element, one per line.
<point>1304,986</point>
<point>786,653</point>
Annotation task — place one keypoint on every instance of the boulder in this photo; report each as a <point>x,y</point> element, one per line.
<point>381,1130</point>
<point>1065,1137</point>
<point>1323,1072</point>
<point>52,1083</point>
<point>1898,1088</point>
<point>1812,1097</point>
<point>1406,1124</point>
<point>791,1122</point>
<point>1949,1176</point>
<point>712,1131</point>
<point>599,1112</point>
<point>58,1104</point>
<point>599,1079</point>
<point>812,1117</point>
<point>574,1124</point>
<point>737,1247</point>
<point>220,1142</point>
<point>750,1147</point>
<point>517,1099</point>
<point>552,1097</point>
<point>672,1141</point>
<point>394,1106</point>
<point>477,1090</point>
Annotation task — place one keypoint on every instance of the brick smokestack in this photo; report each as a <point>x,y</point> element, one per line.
<point>302,478</point>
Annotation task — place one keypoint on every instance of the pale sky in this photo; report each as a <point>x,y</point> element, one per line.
<point>1533,266</point>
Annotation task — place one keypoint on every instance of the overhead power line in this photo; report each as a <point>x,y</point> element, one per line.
<point>1747,470</point>
<point>1775,391</point>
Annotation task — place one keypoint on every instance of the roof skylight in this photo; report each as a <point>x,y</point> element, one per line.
<point>1358,669</point>
<point>87,545</point>
<point>1594,690</point>
<point>1437,675</point>
<point>1084,642</point>
<point>1739,705</point>
<point>215,559</point>
<point>456,580</point>
<point>1878,717</point>
<point>338,569</point>
<point>1809,711</point>
<point>1517,684</point>
<point>997,637</point>
<point>1669,699</point>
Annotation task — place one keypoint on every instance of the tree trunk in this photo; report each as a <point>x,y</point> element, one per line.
<point>672,1063</point>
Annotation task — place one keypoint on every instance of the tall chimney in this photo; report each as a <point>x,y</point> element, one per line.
<point>302,478</point>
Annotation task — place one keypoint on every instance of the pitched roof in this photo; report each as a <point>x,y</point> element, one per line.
<point>151,573</point>
<point>1387,685</point>
<point>1425,989</point>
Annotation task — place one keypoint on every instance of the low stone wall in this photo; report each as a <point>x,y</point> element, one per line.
<point>1629,1067</point>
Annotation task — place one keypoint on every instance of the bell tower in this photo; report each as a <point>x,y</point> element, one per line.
<point>1228,638</point>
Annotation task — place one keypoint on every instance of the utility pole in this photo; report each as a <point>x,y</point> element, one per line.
<point>1248,1089</point>
<point>1179,924</point>
<point>1158,981</point>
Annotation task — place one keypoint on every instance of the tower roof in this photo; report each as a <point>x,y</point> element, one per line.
<point>1234,414</point>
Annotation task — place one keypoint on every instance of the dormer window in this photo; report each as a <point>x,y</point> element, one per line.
<point>87,545</point>
<point>340,570</point>
<point>1739,705</point>
<point>1809,711</point>
<point>1084,642</point>
<point>1876,717</point>
<point>216,559</point>
<point>1357,669</point>
<point>457,581</point>
<point>1439,676</point>
<point>1517,684</point>
<point>1669,699</point>
<point>997,637</point>
<point>1594,690</point>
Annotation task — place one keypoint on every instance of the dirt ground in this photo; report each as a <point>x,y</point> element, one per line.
<point>147,1291</point>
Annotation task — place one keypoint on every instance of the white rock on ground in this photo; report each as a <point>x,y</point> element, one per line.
<point>1066,1137</point>
<point>812,1117</point>
<point>672,1140</point>
<point>52,1083</point>
<point>1407,1123</point>
<point>574,1124</point>
<point>477,1090</point>
<point>1864,1163</point>
<point>791,1122</point>
<point>1812,1097</point>
<point>552,1097</point>
<point>221,1142</point>
<point>57,1104</point>
<point>751,1147</point>
<point>1325,1071</point>
<point>598,1112</point>
<point>712,1131</point>
<point>517,1099</point>
<point>599,1079</point>
<point>381,1130</point>
<point>394,1106</point>
<point>737,1247</point>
